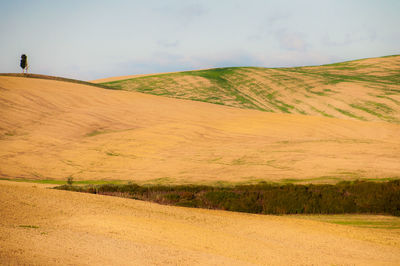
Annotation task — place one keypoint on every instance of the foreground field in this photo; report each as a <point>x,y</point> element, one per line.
<point>49,227</point>
<point>53,129</point>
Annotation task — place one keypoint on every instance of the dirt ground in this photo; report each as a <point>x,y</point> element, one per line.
<point>41,226</point>
<point>53,130</point>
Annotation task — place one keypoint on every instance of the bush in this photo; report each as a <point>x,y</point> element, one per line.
<point>344,197</point>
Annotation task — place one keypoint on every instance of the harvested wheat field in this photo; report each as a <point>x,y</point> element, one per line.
<point>41,226</point>
<point>54,129</point>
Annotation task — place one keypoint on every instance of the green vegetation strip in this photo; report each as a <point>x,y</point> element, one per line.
<point>29,226</point>
<point>357,220</point>
<point>343,197</point>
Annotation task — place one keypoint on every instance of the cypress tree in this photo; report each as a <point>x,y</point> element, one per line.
<point>23,62</point>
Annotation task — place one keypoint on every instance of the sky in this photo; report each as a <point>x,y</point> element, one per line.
<point>91,39</point>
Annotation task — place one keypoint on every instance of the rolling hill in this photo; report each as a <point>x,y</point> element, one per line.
<point>367,89</point>
<point>53,129</point>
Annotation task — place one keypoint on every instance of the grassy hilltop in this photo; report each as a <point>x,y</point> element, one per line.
<point>367,89</point>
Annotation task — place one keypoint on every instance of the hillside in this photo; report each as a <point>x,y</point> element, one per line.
<point>55,129</point>
<point>366,90</point>
<point>41,226</point>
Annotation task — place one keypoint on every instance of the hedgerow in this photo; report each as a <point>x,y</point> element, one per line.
<point>344,197</point>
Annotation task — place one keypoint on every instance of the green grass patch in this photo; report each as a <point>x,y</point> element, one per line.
<point>29,226</point>
<point>324,179</point>
<point>349,114</point>
<point>95,133</point>
<point>379,110</point>
<point>320,112</point>
<point>380,179</point>
<point>363,221</point>
<point>111,153</point>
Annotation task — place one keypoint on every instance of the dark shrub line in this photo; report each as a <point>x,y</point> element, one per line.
<point>344,197</point>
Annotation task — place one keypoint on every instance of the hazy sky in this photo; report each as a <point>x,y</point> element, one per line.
<point>94,39</point>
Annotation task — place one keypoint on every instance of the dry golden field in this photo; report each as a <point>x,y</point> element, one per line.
<point>41,226</point>
<point>52,130</point>
<point>300,125</point>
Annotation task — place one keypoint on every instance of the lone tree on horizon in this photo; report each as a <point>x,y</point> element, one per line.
<point>24,63</point>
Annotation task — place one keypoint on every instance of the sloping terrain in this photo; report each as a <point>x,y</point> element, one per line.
<point>54,129</point>
<point>39,76</point>
<point>40,226</point>
<point>367,90</point>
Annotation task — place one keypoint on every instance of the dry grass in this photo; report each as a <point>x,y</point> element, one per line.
<point>53,130</point>
<point>40,226</point>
